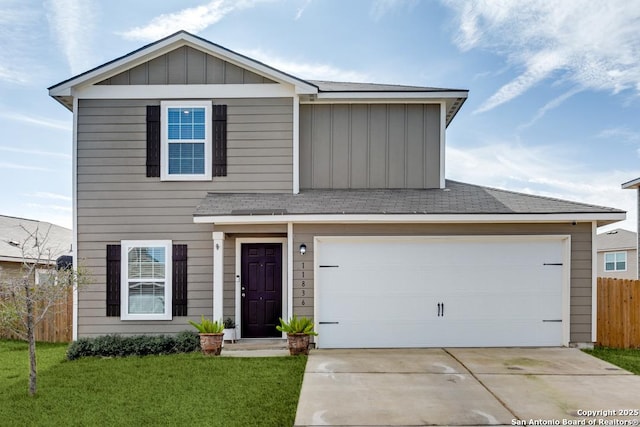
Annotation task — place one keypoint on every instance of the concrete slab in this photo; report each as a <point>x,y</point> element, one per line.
<point>488,386</point>
<point>563,397</point>
<point>255,353</point>
<point>428,360</point>
<point>348,399</point>
<point>393,387</point>
<point>538,361</point>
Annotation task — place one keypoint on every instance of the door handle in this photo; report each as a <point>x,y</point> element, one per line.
<point>438,309</point>
<point>442,309</point>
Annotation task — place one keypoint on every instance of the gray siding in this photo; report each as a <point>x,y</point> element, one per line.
<point>116,201</point>
<point>370,146</point>
<point>185,65</point>
<point>580,331</point>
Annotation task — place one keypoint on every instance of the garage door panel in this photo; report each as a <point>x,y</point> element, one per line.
<point>384,292</point>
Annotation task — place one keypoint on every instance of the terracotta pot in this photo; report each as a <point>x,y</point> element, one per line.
<point>298,344</point>
<point>211,344</point>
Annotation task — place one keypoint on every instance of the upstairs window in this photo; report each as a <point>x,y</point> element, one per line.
<point>615,261</point>
<point>186,140</point>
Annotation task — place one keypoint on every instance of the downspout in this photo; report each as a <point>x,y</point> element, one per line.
<point>74,198</point>
<point>296,144</point>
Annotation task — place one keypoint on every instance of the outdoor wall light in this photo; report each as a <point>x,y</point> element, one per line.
<point>303,249</point>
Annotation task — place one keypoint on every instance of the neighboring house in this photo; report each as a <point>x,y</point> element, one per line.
<point>208,183</point>
<point>618,254</point>
<point>635,185</point>
<point>31,241</point>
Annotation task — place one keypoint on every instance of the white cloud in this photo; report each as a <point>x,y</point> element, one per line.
<point>38,121</point>
<point>301,10</point>
<point>19,41</point>
<point>35,152</point>
<point>59,208</point>
<point>72,23</point>
<point>307,70</point>
<point>620,133</point>
<point>50,196</point>
<point>193,19</point>
<point>547,171</point>
<point>380,8</point>
<point>592,44</point>
<point>554,103</point>
<point>18,166</point>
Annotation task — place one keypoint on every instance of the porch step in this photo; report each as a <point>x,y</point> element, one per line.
<point>256,344</point>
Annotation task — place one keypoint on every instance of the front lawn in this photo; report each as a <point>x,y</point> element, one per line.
<point>183,389</point>
<point>628,359</point>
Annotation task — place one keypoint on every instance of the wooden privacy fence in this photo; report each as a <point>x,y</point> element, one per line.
<point>618,313</point>
<point>57,326</point>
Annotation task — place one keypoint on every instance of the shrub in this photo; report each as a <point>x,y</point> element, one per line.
<point>139,345</point>
<point>187,342</point>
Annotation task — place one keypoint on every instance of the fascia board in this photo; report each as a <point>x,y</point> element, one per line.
<point>417,96</point>
<point>412,218</point>
<point>195,91</point>
<point>631,184</point>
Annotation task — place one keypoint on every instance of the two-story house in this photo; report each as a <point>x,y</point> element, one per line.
<point>208,183</point>
<point>634,184</point>
<point>618,254</point>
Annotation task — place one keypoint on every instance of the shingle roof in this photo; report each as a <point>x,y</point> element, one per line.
<point>14,232</point>
<point>327,86</point>
<point>456,198</point>
<point>617,239</point>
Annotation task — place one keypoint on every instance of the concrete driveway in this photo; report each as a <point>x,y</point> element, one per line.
<point>491,386</point>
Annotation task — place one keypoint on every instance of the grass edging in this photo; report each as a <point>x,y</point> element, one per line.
<point>181,389</point>
<point>628,359</point>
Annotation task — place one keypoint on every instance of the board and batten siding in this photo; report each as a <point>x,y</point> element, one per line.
<point>370,146</point>
<point>185,65</point>
<point>117,201</point>
<point>581,255</point>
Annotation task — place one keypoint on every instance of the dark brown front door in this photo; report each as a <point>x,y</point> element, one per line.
<point>261,289</point>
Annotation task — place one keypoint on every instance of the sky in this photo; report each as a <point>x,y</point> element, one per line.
<point>554,86</point>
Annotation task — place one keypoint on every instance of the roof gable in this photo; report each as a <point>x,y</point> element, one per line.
<point>63,90</point>
<point>186,65</point>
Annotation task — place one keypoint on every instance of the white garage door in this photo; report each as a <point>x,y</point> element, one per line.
<point>375,292</point>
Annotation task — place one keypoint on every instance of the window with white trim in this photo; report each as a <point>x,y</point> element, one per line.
<point>615,261</point>
<point>146,279</point>
<point>185,133</point>
<point>45,276</point>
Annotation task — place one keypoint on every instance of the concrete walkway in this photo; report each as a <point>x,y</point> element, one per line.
<point>461,387</point>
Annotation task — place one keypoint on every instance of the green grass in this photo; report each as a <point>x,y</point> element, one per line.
<point>176,390</point>
<point>628,359</point>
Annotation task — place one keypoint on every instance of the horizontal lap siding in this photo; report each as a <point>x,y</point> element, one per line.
<point>581,255</point>
<point>116,201</point>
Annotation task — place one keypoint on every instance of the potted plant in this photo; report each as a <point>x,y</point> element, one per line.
<point>211,333</point>
<point>229,329</point>
<point>298,330</point>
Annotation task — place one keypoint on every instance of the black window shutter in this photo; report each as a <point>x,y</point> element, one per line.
<point>219,140</point>
<point>179,290</point>
<point>153,140</point>
<point>113,280</point>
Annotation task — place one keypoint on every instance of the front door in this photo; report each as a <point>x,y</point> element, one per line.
<point>261,289</point>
